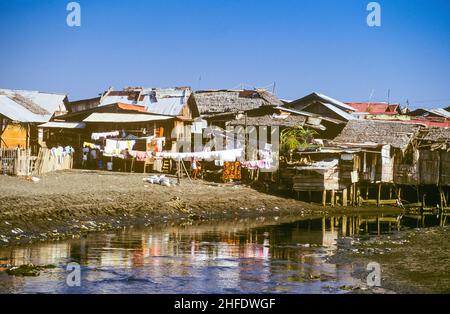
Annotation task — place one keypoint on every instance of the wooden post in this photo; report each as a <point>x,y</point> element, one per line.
<point>358,196</point>
<point>351,195</point>
<point>333,198</point>
<point>324,225</point>
<point>344,197</point>
<point>441,210</point>
<point>324,198</point>
<point>379,195</point>
<point>344,226</point>
<point>418,194</point>
<point>378,225</point>
<point>178,172</point>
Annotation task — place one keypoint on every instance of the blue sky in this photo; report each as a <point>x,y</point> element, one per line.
<point>302,45</point>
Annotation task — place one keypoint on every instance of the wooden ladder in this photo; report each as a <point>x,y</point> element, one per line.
<point>166,166</point>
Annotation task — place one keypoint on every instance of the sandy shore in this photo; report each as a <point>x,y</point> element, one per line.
<point>68,203</point>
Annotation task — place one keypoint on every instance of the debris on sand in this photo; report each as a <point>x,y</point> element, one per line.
<point>161,180</point>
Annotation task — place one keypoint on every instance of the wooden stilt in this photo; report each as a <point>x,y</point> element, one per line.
<point>344,226</point>
<point>441,210</point>
<point>333,198</point>
<point>358,196</point>
<point>418,194</point>
<point>344,197</point>
<point>324,198</point>
<point>351,195</point>
<point>379,194</point>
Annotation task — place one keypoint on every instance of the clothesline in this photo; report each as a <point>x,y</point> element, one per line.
<point>224,155</point>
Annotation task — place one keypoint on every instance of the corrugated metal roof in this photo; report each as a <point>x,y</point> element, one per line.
<point>124,117</point>
<point>439,112</point>
<point>339,112</point>
<point>171,106</point>
<point>108,100</point>
<point>169,101</point>
<point>63,125</point>
<point>42,102</point>
<point>335,102</point>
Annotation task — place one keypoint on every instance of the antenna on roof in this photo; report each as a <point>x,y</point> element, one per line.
<point>389,96</point>
<point>371,95</point>
<point>198,83</point>
<point>273,89</point>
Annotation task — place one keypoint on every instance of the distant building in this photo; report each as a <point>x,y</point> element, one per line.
<point>370,110</point>
<point>324,106</point>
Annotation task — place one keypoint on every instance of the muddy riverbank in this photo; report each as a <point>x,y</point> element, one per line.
<point>71,203</point>
<point>415,260</point>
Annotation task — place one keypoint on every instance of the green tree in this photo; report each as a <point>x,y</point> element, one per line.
<point>295,138</point>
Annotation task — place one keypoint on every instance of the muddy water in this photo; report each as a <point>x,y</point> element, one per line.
<point>254,256</point>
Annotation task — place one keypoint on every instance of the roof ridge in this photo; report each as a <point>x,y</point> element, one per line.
<point>28,104</point>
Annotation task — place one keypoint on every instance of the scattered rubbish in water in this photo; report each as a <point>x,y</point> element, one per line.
<point>28,270</point>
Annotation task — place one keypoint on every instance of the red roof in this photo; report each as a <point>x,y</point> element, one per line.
<point>375,108</point>
<point>426,121</point>
<point>431,123</point>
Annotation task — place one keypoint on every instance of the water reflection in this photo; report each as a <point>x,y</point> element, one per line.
<point>247,257</point>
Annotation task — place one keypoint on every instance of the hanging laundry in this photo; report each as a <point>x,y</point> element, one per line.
<point>225,155</point>
<point>140,156</point>
<point>102,135</point>
<point>232,171</point>
<point>257,164</point>
<point>91,145</point>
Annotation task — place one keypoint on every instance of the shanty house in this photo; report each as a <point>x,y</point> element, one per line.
<point>390,156</point>
<point>324,106</point>
<point>434,156</point>
<point>22,111</point>
<point>98,112</point>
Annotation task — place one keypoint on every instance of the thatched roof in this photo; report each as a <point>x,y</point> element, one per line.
<point>437,135</point>
<point>359,132</point>
<point>220,101</point>
<point>271,120</point>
